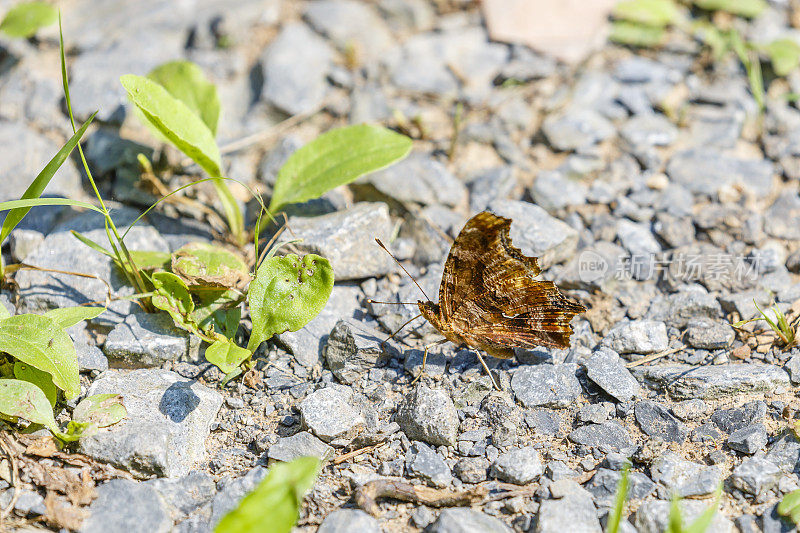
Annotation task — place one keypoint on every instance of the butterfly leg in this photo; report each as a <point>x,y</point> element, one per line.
<point>485,367</point>
<point>425,358</point>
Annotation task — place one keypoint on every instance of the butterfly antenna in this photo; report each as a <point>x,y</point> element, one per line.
<point>404,268</point>
<point>371,301</point>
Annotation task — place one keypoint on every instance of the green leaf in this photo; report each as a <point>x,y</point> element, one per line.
<point>91,244</point>
<point>172,295</point>
<point>784,54</point>
<point>212,302</point>
<point>66,317</point>
<point>633,34</point>
<point>274,505</point>
<point>185,81</point>
<point>207,265</point>
<point>286,294</point>
<point>41,379</point>
<point>675,521</point>
<point>150,260</point>
<point>233,214</point>
<point>226,355</point>
<point>101,410</point>
<point>35,202</point>
<point>658,13</point>
<point>37,187</point>
<point>173,119</point>
<point>4,313</point>
<point>23,20</point>
<point>23,399</point>
<point>40,342</point>
<point>742,8</point>
<point>789,502</point>
<point>336,158</point>
<point>616,513</point>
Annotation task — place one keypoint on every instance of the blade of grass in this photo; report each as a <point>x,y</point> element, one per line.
<point>37,187</point>
<point>35,202</point>
<point>615,516</point>
<point>91,244</point>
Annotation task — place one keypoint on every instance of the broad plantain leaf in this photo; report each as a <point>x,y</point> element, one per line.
<point>286,294</point>
<point>185,81</point>
<point>784,54</point>
<point>206,265</point>
<point>633,34</point>
<point>23,20</point>
<point>175,121</point>
<point>226,355</point>
<point>41,379</point>
<point>743,8</point>
<point>101,410</point>
<point>336,158</point>
<point>41,342</point>
<point>172,295</point>
<point>274,505</point>
<point>40,182</point>
<point>23,399</point>
<point>66,317</point>
<point>658,13</point>
<point>150,260</point>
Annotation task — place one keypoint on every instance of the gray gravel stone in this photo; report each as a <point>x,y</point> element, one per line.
<point>575,511</point>
<point>425,463</point>
<point>354,348</point>
<point>471,469</point>
<point>169,418</point>
<point>302,444</point>
<point>553,190</point>
<point>638,336</point>
<point>465,520</point>
<point>233,490</point>
<point>783,216</point>
<point>749,439</point>
<point>330,415</point>
<point>755,476</point>
<point>430,416</point>
<point>785,452</point>
<point>308,343</point>
<point>604,483</point>
<point>519,466</point>
<point>576,128</point>
<point>536,233</point>
<point>709,335</point>
<point>185,494</point>
<point>347,24</point>
<point>125,505</point>
<point>706,172</point>
<point>295,65</point>
<point>346,238</point>
<point>657,421</point>
<point>733,419</point>
<point>148,340</point>
<point>546,385</point>
<point>649,130</point>
<point>496,183</point>
<point>685,478</point>
<point>715,381</point>
<point>606,369</point>
<point>419,179</point>
<point>653,516</point>
<point>346,520</point>
<point>608,435</point>
<point>637,239</point>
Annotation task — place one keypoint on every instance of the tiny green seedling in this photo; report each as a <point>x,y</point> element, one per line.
<point>781,326</point>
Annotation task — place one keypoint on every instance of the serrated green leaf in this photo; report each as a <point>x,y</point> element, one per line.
<point>25,19</point>
<point>40,342</point>
<point>172,295</point>
<point>66,317</point>
<point>226,355</point>
<point>185,81</point>
<point>784,54</point>
<point>175,121</point>
<point>657,13</point>
<point>274,505</point>
<point>207,265</point>
<point>40,182</point>
<point>286,294</point>
<point>23,399</point>
<point>633,34</point>
<point>742,8</point>
<point>100,409</point>
<point>336,158</point>
<point>41,379</point>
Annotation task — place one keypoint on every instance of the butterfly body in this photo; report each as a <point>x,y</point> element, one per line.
<point>489,299</point>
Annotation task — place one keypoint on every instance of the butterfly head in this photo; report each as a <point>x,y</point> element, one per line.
<point>430,311</point>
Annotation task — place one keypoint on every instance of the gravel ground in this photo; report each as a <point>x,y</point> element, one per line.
<point>647,182</point>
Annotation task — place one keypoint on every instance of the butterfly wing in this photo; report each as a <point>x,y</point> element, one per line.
<point>491,297</point>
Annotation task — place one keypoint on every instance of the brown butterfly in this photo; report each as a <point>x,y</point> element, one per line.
<point>489,300</point>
